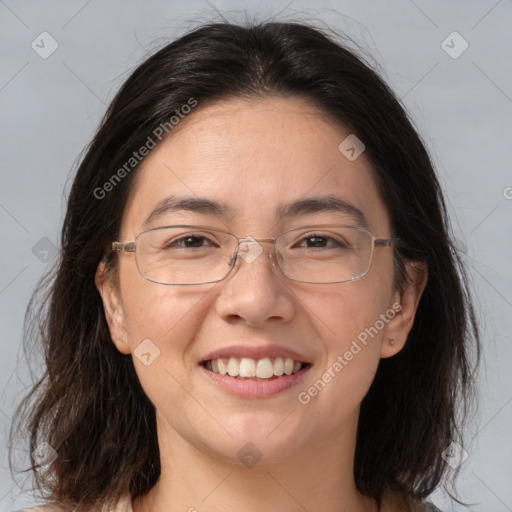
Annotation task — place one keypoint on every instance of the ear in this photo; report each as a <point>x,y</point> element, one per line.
<point>112,307</point>
<point>405,304</point>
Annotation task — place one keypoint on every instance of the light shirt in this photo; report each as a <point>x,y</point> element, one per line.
<point>390,503</point>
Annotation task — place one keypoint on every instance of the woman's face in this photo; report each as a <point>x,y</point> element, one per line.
<point>254,158</point>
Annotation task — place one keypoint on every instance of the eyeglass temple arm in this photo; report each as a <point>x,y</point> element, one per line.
<point>123,246</point>
<point>387,242</point>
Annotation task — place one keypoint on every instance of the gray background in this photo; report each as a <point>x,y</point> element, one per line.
<point>462,107</point>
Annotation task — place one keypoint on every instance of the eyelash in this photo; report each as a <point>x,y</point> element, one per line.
<point>307,237</point>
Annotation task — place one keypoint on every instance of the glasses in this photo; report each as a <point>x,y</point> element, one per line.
<point>186,255</point>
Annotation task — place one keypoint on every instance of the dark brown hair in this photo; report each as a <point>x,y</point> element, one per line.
<point>89,405</point>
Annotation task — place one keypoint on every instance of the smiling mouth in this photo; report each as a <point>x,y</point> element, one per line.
<point>245,368</point>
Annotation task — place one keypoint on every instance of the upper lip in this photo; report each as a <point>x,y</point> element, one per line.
<point>258,352</point>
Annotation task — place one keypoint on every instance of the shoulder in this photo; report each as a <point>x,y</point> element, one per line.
<point>123,505</point>
<point>393,502</point>
<point>42,508</point>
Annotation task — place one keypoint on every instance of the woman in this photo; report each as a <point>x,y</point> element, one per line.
<point>258,305</point>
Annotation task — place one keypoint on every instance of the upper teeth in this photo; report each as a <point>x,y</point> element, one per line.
<point>247,367</point>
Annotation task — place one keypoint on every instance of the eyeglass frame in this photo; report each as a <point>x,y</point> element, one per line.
<point>131,247</point>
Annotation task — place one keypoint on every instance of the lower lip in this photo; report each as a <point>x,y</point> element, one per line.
<point>247,388</point>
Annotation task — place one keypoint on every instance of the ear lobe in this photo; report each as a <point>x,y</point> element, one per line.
<point>112,308</point>
<point>408,297</point>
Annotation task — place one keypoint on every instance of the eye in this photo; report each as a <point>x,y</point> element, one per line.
<point>189,242</point>
<point>322,241</point>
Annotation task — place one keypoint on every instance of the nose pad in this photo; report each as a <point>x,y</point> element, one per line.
<point>274,257</point>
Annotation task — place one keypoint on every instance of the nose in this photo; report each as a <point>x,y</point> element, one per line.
<point>255,291</point>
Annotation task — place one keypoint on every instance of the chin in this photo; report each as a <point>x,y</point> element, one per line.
<point>258,442</point>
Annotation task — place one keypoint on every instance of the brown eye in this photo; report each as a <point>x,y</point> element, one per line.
<point>189,241</point>
<point>321,241</point>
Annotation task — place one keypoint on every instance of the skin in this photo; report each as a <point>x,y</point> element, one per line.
<point>239,152</point>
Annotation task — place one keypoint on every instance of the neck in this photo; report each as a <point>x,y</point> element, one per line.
<point>319,477</point>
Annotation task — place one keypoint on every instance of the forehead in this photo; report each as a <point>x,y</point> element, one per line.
<point>254,156</point>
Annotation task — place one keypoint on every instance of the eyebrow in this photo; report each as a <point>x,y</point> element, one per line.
<point>305,206</point>
<point>321,204</point>
<point>195,204</point>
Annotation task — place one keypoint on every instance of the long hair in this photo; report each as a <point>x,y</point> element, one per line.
<point>89,405</point>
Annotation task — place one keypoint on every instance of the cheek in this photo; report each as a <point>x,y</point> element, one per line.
<point>344,311</point>
<point>163,322</point>
<point>346,317</point>
<point>168,316</point>
<point>351,329</point>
